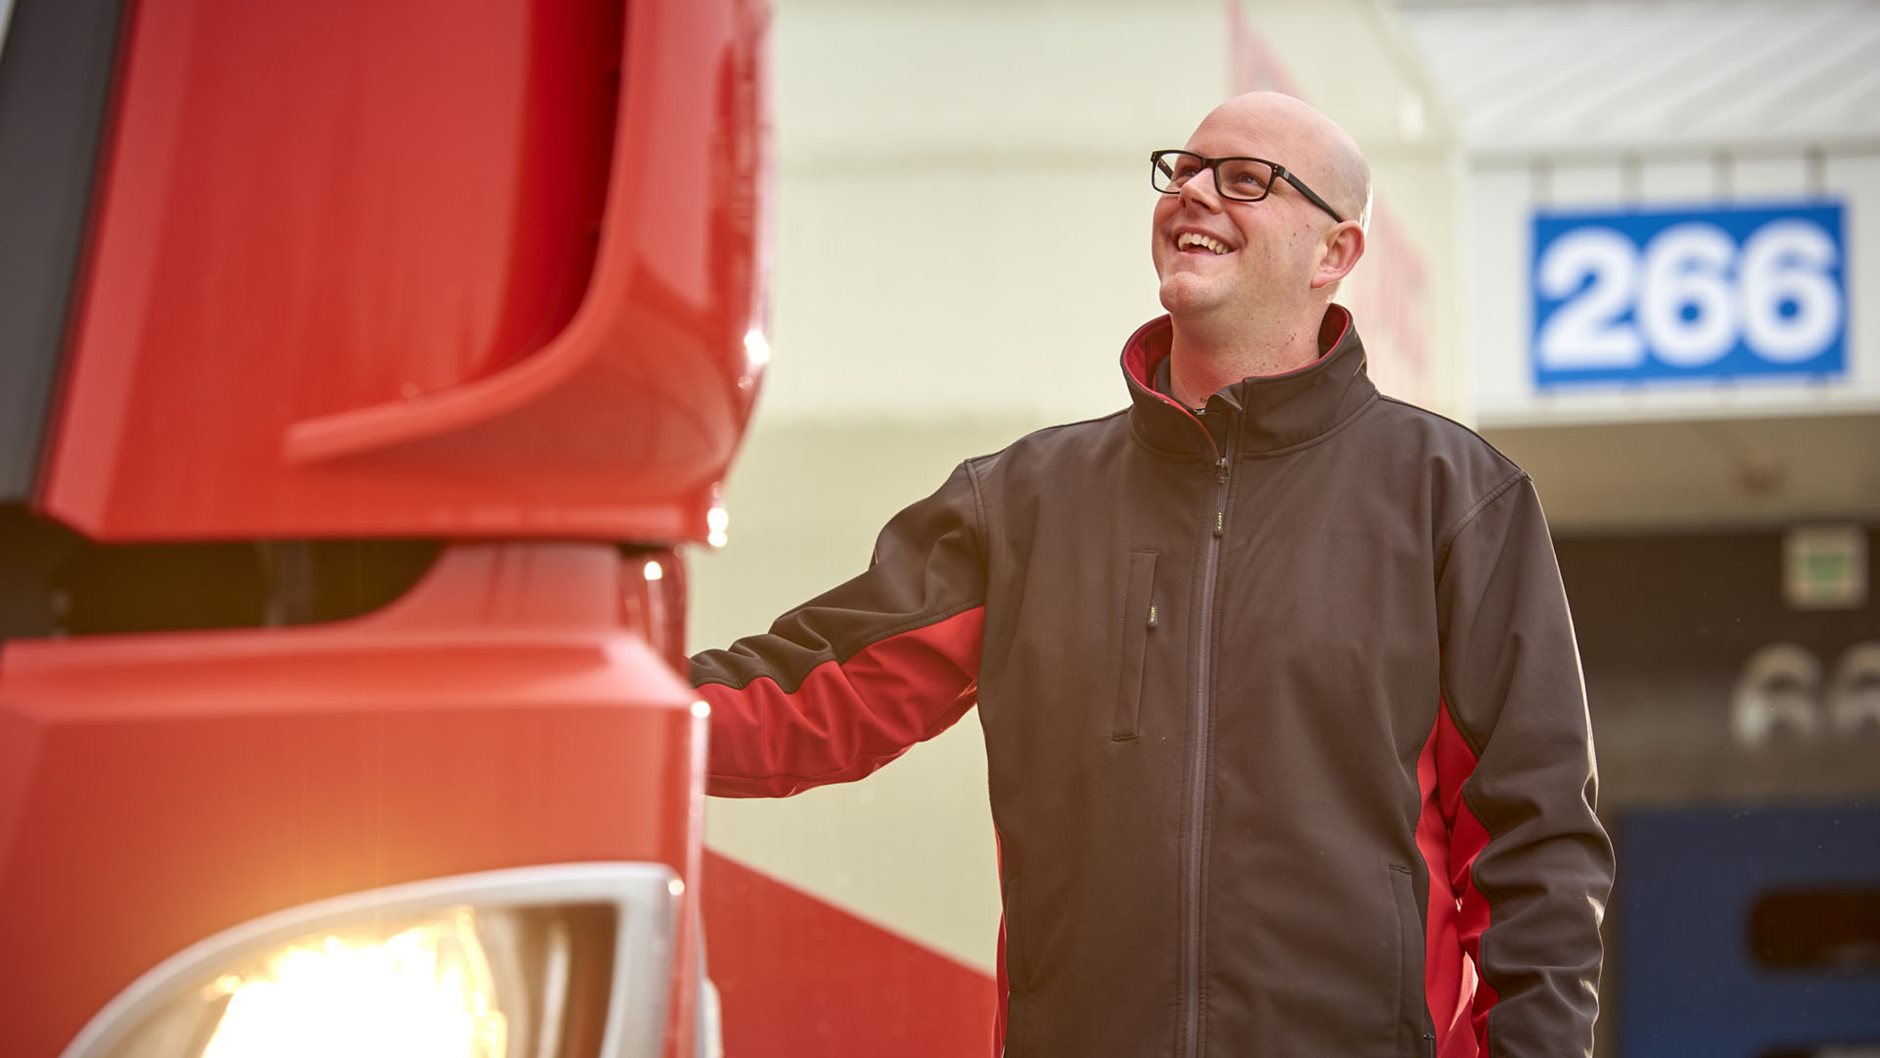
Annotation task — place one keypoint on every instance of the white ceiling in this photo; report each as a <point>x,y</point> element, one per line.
<point>1655,79</point>
<point>1575,75</point>
<point>1702,473</point>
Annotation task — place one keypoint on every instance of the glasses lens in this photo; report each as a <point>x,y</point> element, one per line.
<point>1171,169</point>
<point>1244,178</point>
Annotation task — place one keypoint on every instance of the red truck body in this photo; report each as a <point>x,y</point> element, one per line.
<point>480,281</point>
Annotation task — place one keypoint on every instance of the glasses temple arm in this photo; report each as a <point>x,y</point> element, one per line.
<point>1311,196</point>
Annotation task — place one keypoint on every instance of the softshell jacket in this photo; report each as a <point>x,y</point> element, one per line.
<point>1289,751</point>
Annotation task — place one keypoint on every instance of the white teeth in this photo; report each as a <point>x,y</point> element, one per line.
<point>1189,238</point>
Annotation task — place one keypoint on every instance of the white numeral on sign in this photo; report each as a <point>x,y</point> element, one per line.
<point>1787,263</point>
<point>1581,333</point>
<point>1694,296</point>
<point>1685,304</point>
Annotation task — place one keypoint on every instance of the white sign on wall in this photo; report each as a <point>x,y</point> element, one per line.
<point>1825,567</point>
<point>1674,289</point>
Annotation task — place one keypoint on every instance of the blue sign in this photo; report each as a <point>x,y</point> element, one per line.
<point>1653,295</point>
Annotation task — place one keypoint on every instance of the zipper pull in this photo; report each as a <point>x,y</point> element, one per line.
<point>1152,620</point>
<point>1220,523</point>
<point>1221,470</point>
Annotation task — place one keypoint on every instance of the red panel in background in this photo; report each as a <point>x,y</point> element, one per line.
<point>433,267</point>
<point>155,789</point>
<point>801,978</point>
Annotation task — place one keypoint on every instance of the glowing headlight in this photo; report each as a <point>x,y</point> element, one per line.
<point>426,990</point>
<point>512,964</point>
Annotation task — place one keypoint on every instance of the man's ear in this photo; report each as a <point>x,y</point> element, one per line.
<point>1339,250</point>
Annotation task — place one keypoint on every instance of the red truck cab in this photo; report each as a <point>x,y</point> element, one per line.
<point>362,367</point>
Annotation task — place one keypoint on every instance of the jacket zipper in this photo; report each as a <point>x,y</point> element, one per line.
<point>1197,764</point>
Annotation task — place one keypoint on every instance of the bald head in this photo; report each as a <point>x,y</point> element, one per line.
<point>1306,142</point>
<point>1247,279</point>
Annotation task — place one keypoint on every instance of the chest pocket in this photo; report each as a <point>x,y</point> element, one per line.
<point>1140,618</point>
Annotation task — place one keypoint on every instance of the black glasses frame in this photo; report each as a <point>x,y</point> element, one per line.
<point>1159,167</point>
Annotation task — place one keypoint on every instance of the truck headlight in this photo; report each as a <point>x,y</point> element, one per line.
<point>425,990</point>
<point>509,964</point>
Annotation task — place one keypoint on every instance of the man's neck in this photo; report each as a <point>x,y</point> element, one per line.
<point>1205,360</point>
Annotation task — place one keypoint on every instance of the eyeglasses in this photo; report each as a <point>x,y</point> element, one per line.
<point>1241,179</point>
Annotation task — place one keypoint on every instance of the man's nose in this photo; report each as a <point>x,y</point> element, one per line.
<point>1202,190</point>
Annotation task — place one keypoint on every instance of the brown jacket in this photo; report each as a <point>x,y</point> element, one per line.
<point>1288,747</point>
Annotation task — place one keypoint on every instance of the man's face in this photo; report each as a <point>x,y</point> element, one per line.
<point>1268,258</point>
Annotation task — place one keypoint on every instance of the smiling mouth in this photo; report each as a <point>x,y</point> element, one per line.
<point>1192,242</point>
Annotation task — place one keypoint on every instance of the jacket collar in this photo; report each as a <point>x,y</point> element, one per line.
<point>1270,413</point>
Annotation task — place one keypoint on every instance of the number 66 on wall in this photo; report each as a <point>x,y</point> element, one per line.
<point>1647,295</point>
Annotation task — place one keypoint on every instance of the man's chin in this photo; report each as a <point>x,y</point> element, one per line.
<point>1183,294</point>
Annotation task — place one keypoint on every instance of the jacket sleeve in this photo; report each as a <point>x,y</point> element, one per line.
<point>848,681</point>
<point>1529,861</point>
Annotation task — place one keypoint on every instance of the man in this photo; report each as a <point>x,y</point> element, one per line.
<point>1289,753</point>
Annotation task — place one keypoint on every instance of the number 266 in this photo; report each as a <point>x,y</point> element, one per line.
<point>1694,294</point>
